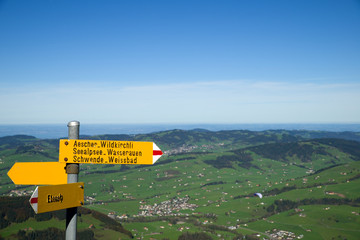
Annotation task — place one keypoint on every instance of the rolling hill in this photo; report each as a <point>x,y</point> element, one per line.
<point>206,181</point>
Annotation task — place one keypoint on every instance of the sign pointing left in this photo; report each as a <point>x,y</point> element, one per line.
<point>38,173</point>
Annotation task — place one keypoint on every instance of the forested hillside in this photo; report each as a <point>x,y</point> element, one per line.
<point>204,185</point>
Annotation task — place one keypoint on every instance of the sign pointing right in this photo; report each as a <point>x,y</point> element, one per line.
<point>108,152</point>
<point>157,153</point>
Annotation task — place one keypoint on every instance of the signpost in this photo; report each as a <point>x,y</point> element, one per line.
<point>108,152</point>
<point>38,173</point>
<point>53,198</point>
<point>73,151</point>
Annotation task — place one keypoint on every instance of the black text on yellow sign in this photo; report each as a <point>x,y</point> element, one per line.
<point>57,197</point>
<point>108,152</point>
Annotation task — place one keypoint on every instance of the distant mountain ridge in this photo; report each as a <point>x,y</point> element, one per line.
<point>49,131</point>
<point>177,138</point>
<point>230,139</point>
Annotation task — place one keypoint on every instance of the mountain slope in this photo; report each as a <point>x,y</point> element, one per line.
<point>210,187</point>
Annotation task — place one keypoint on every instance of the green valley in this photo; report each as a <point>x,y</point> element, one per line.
<point>205,183</point>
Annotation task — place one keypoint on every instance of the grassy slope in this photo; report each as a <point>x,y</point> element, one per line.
<point>213,190</point>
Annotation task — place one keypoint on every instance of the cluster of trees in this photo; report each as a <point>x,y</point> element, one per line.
<point>244,159</point>
<point>281,206</point>
<point>204,236</point>
<point>221,162</point>
<point>14,210</point>
<point>53,234</point>
<point>350,147</point>
<point>274,191</point>
<point>18,209</point>
<point>283,151</point>
<point>324,169</point>
<point>194,236</point>
<point>304,150</point>
<point>213,183</point>
<point>241,157</point>
<point>285,205</point>
<point>357,176</point>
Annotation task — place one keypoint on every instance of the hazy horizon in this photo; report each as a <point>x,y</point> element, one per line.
<point>44,131</point>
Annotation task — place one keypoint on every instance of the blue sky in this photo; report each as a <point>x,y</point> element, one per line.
<point>180,61</point>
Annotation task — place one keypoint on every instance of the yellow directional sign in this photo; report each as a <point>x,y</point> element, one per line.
<point>52,198</point>
<point>38,173</point>
<point>108,152</point>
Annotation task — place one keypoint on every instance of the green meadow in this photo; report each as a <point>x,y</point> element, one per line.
<point>310,187</point>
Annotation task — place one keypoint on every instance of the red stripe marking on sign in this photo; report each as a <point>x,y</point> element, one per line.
<point>33,200</point>
<point>157,152</point>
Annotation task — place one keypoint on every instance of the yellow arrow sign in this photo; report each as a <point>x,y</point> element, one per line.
<point>108,152</point>
<point>38,173</point>
<point>52,198</point>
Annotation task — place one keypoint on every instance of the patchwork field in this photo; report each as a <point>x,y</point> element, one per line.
<point>206,181</point>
